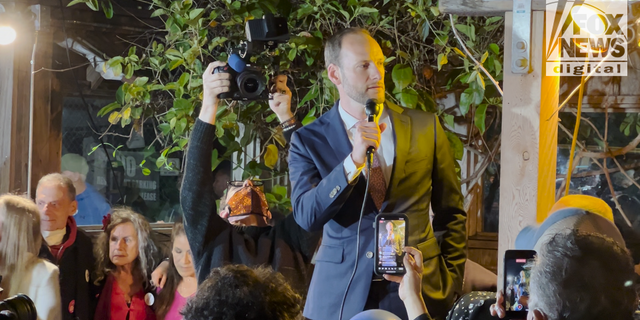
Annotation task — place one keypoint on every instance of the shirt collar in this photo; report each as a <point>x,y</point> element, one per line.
<point>349,121</point>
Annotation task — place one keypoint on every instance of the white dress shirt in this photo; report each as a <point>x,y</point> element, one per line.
<point>385,153</point>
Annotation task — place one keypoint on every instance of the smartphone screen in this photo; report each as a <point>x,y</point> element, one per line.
<point>517,273</point>
<point>391,240</point>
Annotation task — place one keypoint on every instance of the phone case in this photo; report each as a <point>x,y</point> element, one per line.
<point>387,252</point>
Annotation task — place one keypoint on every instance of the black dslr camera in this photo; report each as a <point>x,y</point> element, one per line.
<point>248,82</point>
<point>18,307</point>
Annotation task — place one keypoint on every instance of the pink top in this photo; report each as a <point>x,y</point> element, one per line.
<point>178,304</point>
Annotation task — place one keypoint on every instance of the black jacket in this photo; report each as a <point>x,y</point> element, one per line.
<point>77,265</point>
<point>285,247</point>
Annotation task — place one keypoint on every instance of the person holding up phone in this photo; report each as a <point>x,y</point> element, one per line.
<point>578,276</point>
<point>410,289</point>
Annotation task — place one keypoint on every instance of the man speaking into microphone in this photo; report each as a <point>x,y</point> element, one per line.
<point>412,168</point>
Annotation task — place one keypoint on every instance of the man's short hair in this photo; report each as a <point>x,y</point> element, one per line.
<point>583,276</point>
<point>59,179</point>
<point>334,45</point>
<point>240,292</point>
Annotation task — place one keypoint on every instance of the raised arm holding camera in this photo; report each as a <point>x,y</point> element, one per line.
<point>215,241</point>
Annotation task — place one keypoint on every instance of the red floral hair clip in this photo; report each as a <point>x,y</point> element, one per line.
<point>105,221</point>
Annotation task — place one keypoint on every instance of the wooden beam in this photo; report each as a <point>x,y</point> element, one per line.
<point>488,7</point>
<point>47,119</point>
<point>485,7</point>
<point>520,140</point>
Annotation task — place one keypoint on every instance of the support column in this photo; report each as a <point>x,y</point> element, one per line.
<point>520,140</point>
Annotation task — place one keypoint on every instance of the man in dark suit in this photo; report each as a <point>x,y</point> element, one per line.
<point>413,167</point>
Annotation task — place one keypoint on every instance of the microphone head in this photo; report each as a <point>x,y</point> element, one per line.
<point>236,63</point>
<point>371,107</point>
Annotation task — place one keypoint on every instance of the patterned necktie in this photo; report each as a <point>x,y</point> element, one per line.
<point>377,185</point>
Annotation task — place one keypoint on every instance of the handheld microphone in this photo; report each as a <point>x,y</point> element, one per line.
<point>371,108</point>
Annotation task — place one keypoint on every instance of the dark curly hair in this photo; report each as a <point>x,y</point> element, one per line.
<point>237,292</point>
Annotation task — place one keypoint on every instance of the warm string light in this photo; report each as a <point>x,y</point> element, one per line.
<point>7,35</point>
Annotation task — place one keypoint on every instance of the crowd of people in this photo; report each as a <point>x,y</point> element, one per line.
<point>239,260</point>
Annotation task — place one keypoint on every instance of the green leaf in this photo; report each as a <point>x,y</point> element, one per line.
<point>128,71</point>
<point>442,60</point>
<point>308,119</point>
<point>449,120</point>
<point>408,98</point>
<point>146,171</point>
<point>141,81</point>
<point>108,108</point>
<point>271,117</point>
<point>435,11</point>
<point>292,53</point>
<point>466,99</point>
<point>480,80</point>
<point>165,128</point>
<point>479,119</point>
<point>120,95</point>
<point>107,9</point>
<point>183,79</point>
<point>182,105</point>
<point>195,13</point>
<point>160,161</point>
<point>236,5</point>
<point>425,30</point>
<point>456,145</point>
<point>492,20</point>
<point>497,65</point>
<point>494,48</point>
<point>173,54</point>
<point>175,63</point>
<point>93,5</point>
<point>158,12</point>
<point>312,94</point>
<point>441,40</point>
<point>468,30</point>
<point>181,126</point>
<point>132,51</point>
<point>74,2</point>
<point>402,76</point>
<point>484,56</point>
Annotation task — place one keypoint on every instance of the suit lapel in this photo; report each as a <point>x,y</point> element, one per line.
<point>402,136</point>
<point>337,135</point>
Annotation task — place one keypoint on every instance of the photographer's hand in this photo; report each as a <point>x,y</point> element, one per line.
<point>281,102</point>
<point>213,85</point>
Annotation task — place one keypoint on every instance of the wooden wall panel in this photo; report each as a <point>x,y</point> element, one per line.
<point>46,116</point>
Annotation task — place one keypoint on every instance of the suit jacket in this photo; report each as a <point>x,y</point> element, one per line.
<point>423,174</point>
<point>40,283</point>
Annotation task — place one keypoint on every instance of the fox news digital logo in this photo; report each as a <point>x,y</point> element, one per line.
<point>586,37</point>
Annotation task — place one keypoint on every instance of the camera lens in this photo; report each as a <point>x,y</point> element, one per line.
<point>19,307</point>
<point>251,84</point>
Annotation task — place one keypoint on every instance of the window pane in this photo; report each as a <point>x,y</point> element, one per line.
<point>135,179</point>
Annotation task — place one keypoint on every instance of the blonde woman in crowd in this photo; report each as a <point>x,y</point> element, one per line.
<point>21,269</point>
<point>181,283</point>
<point>125,255</point>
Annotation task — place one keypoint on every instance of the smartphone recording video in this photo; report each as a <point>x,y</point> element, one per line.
<point>390,242</point>
<point>517,272</point>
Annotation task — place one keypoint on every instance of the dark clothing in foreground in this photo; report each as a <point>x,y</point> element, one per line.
<point>286,247</point>
<point>74,257</point>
